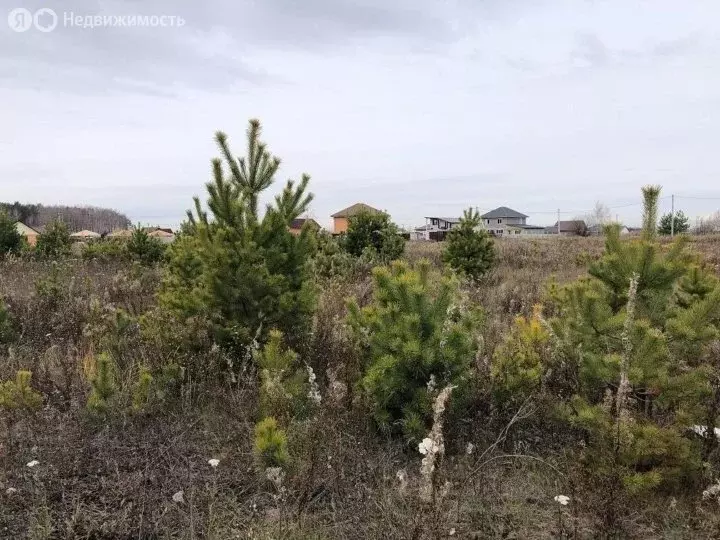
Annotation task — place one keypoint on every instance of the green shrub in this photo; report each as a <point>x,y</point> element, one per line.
<point>681,223</point>
<point>417,337</point>
<point>144,248</point>
<point>6,329</point>
<point>283,386</point>
<point>11,241</point>
<point>373,234</point>
<point>18,394</point>
<point>54,241</point>
<point>104,384</point>
<point>243,272</point>
<point>155,392</point>
<point>331,260</point>
<point>106,249</point>
<point>270,444</point>
<point>469,249</point>
<point>520,360</point>
<point>635,341</point>
<point>51,288</point>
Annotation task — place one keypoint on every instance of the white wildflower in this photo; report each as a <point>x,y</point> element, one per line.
<point>470,448</point>
<point>314,392</point>
<point>33,463</point>
<point>712,491</point>
<point>562,499</point>
<point>445,489</point>
<point>10,491</point>
<point>428,446</point>
<point>702,431</point>
<point>433,446</point>
<point>402,478</point>
<point>276,475</point>
<point>179,497</point>
<point>213,462</point>
<point>452,532</point>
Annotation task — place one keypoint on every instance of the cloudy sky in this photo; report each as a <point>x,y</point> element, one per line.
<point>419,107</point>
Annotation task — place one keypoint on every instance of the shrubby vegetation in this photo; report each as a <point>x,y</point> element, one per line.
<point>470,250</point>
<point>245,273</point>
<point>54,242</point>
<point>418,337</point>
<point>251,383</point>
<point>373,235</point>
<point>680,224</point>
<point>11,241</point>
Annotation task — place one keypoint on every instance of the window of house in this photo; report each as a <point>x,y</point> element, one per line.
<point>499,220</point>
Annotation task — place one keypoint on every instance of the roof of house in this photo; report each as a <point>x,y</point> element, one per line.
<point>153,229</point>
<point>85,234</point>
<point>25,229</point>
<point>503,212</point>
<point>299,222</point>
<point>160,233</point>
<point>521,226</point>
<point>448,219</point>
<point>356,209</point>
<point>120,233</point>
<point>569,226</point>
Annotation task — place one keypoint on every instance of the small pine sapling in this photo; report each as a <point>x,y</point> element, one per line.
<point>469,249</point>
<point>415,333</point>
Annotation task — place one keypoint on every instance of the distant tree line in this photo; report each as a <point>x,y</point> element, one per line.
<point>76,218</point>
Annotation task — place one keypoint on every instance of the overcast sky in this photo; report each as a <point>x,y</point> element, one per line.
<point>418,107</point>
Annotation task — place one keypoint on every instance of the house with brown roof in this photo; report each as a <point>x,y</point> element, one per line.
<point>298,223</point>
<point>574,227</point>
<point>340,219</point>
<point>166,236</point>
<point>84,236</point>
<point>30,234</point>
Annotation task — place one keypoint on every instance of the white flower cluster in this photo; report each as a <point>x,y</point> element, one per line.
<point>402,479</point>
<point>562,499</point>
<point>702,431</point>
<point>276,475</point>
<point>432,446</point>
<point>213,462</point>
<point>314,392</point>
<point>712,491</point>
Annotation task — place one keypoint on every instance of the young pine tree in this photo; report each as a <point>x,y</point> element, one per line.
<point>104,385</point>
<point>417,338</point>
<point>11,240</point>
<point>375,235</point>
<point>633,339</point>
<point>54,242</point>
<point>469,249</point>
<point>681,223</point>
<point>240,269</point>
<point>144,248</point>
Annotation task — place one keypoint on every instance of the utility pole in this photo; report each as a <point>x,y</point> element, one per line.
<point>558,223</point>
<point>672,216</point>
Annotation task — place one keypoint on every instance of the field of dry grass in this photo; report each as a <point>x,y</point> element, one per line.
<point>147,475</point>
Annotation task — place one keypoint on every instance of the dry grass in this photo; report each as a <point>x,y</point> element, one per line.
<point>116,477</point>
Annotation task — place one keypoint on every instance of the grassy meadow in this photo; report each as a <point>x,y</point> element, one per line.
<point>145,472</point>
